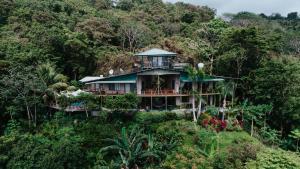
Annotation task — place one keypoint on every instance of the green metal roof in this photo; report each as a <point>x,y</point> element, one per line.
<point>156,52</point>
<point>131,77</point>
<point>159,71</point>
<point>125,78</point>
<point>185,78</point>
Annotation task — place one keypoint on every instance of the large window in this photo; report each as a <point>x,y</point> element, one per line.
<point>118,86</point>
<point>132,87</point>
<point>157,61</point>
<point>111,86</point>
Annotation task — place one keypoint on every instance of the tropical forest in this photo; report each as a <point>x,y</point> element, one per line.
<point>48,46</point>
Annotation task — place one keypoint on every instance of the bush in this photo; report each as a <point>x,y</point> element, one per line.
<point>233,125</point>
<point>154,117</point>
<point>186,154</point>
<point>185,157</point>
<point>36,151</point>
<point>269,136</point>
<point>6,144</point>
<point>207,141</point>
<point>236,154</point>
<point>215,124</point>
<point>121,102</point>
<point>273,159</point>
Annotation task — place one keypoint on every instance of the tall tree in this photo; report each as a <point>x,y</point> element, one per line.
<point>22,87</point>
<point>278,83</point>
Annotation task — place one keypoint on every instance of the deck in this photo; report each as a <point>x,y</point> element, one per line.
<point>71,108</point>
<point>149,93</point>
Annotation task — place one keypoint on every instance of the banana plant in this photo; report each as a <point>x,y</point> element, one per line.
<point>134,148</point>
<point>295,134</point>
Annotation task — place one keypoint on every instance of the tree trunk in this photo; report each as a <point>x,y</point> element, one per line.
<point>200,102</point>
<point>243,115</point>
<point>232,100</point>
<point>211,66</point>
<point>34,114</point>
<point>86,112</point>
<point>28,115</point>
<point>252,127</point>
<point>193,103</point>
<point>224,107</point>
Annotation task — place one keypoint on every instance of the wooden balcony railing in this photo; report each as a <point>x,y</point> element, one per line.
<point>105,92</point>
<point>153,92</point>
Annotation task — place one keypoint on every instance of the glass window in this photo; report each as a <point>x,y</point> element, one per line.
<point>159,61</point>
<point>132,87</point>
<point>173,84</point>
<point>118,86</point>
<point>111,86</point>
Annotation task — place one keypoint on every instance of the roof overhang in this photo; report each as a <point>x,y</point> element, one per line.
<point>90,78</point>
<point>159,72</point>
<point>207,78</point>
<point>109,82</point>
<point>156,52</point>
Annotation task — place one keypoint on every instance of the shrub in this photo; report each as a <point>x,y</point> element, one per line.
<point>37,151</point>
<point>154,117</point>
<point>215,124</point>
<point>212,110</point>
<point>127,101</point>
<point>6,144</point>
<point>204,117</point>
<point>170,131</point>
<point>207,140</point>
<point>275,158</point>
<point>269,136</point>
<point>12,127</point>
<point>233,125</point>
<point>185,157</point>
<point>236,155</point>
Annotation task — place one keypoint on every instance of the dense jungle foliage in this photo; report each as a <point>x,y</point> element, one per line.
<point>46,46</point>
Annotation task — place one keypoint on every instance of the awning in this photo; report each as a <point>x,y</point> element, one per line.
<point>207,78</point>
<point>125,78</point>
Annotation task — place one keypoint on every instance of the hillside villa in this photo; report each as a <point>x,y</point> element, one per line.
<point>158,80</point>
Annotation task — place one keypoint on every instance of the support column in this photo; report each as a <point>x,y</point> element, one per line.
<point>178,101</point>
<point>211,96</point>
<point>151,103</point>
<point>142,62</point>
<point>166,103</point>
<point>139,85</point>
<point>214,100</point>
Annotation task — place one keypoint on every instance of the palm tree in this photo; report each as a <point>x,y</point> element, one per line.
<point>195,74</point>
<point>134,148</point>
<point>225,88</point>
<point>52,79</point>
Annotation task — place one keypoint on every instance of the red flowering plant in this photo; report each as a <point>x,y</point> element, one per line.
<point>214,123</point>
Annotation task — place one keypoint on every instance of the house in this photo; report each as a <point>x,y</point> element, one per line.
<point>159,81</point>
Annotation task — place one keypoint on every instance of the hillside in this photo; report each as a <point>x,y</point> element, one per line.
<point>161,140</point>
<point>47,46</point>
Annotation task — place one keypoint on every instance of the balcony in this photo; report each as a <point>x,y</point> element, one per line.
<point>148,65</point>
<point>162,93</point>
<point>105,92</point>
